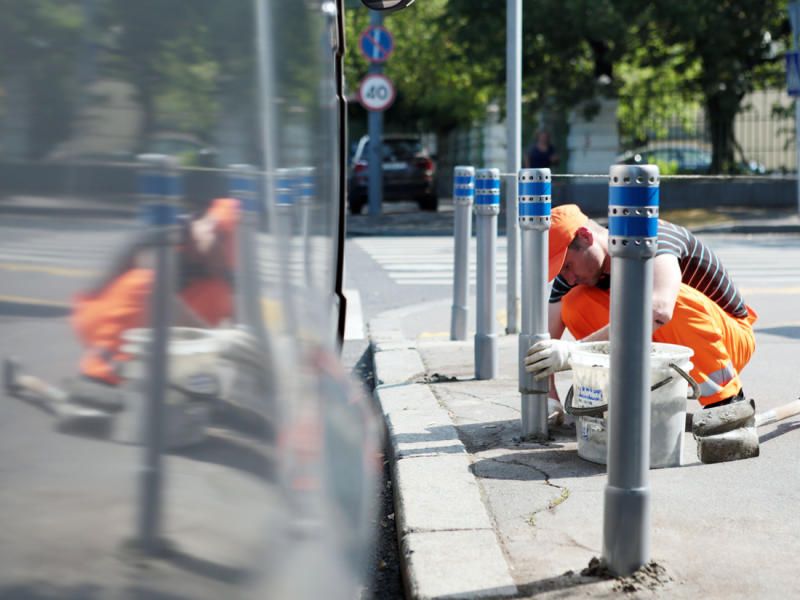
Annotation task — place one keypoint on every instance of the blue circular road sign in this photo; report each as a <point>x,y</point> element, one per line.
<point>376,43</point>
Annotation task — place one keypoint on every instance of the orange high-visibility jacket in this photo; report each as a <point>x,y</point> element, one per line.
<point>722,343</point>
<point>125,304</point>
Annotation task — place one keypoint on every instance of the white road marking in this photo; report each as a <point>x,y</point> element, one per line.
<point>354,318</point>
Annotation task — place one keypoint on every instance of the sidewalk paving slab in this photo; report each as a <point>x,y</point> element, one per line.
<point>717,530</point>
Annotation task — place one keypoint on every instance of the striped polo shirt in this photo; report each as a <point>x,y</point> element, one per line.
<point>700,269</point>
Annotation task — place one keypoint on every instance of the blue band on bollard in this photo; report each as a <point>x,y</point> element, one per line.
<point>632,226</point>
<point>484,199</point>
<point>464,180</point>
<point>632,196</point>
<point>248,204</point>
<point>534,209</point>
<point>159,184</point>
<point>464,192</point>
<point>534,188</point>
<point>487,184</point>
<point>242,184</point>
<point>285,197</point>
<point>159,214</point>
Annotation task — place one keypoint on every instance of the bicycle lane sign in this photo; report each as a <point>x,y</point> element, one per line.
<point>376,92</point>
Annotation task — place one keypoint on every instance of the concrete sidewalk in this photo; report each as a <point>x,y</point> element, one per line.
<point>482,514</point>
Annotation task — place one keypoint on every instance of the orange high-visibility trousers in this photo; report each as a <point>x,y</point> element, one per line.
<point>722,344</point>
<point>125,304</point>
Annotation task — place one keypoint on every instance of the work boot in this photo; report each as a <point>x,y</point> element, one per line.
<point>94,393</point>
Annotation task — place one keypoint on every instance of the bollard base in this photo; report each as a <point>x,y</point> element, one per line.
<point>527,383</point>
<point>513,327</point>
<point>458,323</point>
<point>626,529</point>
<point>534,417</point>
<point>485,356</point>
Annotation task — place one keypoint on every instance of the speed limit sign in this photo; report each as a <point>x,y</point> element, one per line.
<point>376,92</point>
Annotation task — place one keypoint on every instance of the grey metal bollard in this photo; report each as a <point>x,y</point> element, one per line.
<point>161,190</point>
<point>286,191</point>
<point>243,185</point>
<point>633,237</point>
<point>285,198</point>
<point>487,207</point>
<point>463,195</point>
<point>305,182</point>
<point>534,192</point>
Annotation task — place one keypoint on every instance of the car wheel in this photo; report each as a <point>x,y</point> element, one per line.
<point>355,206</point>
<point>429,203</point>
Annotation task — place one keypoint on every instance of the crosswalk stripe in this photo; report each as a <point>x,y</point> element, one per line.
<point>771,266</point>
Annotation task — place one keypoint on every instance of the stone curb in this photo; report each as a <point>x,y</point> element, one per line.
<point>447,539</point>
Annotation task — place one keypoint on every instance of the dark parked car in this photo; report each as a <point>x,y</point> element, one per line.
<point>682,158</point>
<point>408,173</point>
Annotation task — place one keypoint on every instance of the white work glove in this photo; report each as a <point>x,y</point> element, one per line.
<point>547,357</point>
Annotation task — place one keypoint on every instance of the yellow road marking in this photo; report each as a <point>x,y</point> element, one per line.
<point>34,301</point>
<point>433,334</point>
<point>60,271</point>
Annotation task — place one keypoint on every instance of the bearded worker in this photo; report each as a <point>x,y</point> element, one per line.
<point>695,304</point>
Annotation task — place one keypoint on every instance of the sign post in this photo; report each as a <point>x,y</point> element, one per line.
<point>376,94</point>
<point>793,81</point>
<point>513,146</point>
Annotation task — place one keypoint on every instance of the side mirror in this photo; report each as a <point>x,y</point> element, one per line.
<point>386,5</point>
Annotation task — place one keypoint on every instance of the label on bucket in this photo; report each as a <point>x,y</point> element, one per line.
<point>591,427</point>
<point>589,396</point>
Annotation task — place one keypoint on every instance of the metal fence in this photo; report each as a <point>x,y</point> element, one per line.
<point>764,131</point>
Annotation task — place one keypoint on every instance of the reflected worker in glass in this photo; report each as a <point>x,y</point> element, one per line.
<point>120,300</point>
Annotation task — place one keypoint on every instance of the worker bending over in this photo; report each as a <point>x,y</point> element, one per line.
<point>120,300</point>
<point>695,304</point>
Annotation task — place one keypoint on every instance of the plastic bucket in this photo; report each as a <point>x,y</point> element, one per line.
<point>193,381</point>
<point>191,352</point>
<point>590,396</point>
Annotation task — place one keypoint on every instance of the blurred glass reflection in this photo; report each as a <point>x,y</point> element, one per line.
<point>175,162</point>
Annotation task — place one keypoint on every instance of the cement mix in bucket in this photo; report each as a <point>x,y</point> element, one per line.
<point>591,366</point>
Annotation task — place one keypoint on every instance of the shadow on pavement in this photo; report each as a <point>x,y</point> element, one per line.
<point>39,590</point>
<point>547,463</point>
<point>791,332</point>
<point>207,568</point>
<point>36,311</point>
<point>781,429</point>
<point>221,448</point>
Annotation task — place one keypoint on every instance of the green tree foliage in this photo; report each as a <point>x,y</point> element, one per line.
<point>166,55</point>
<point>450,59</point>
<point>39,48</point>
<point>729,46</point>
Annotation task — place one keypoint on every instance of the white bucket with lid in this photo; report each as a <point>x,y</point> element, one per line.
<point>589,398</point>
<point>193,383</point>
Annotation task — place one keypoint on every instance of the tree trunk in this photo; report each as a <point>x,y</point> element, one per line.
<point>722,108</point>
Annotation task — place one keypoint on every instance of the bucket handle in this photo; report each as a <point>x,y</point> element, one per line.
<point>597,411</point>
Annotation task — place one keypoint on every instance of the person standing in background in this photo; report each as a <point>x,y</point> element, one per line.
<point>542,154</point>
